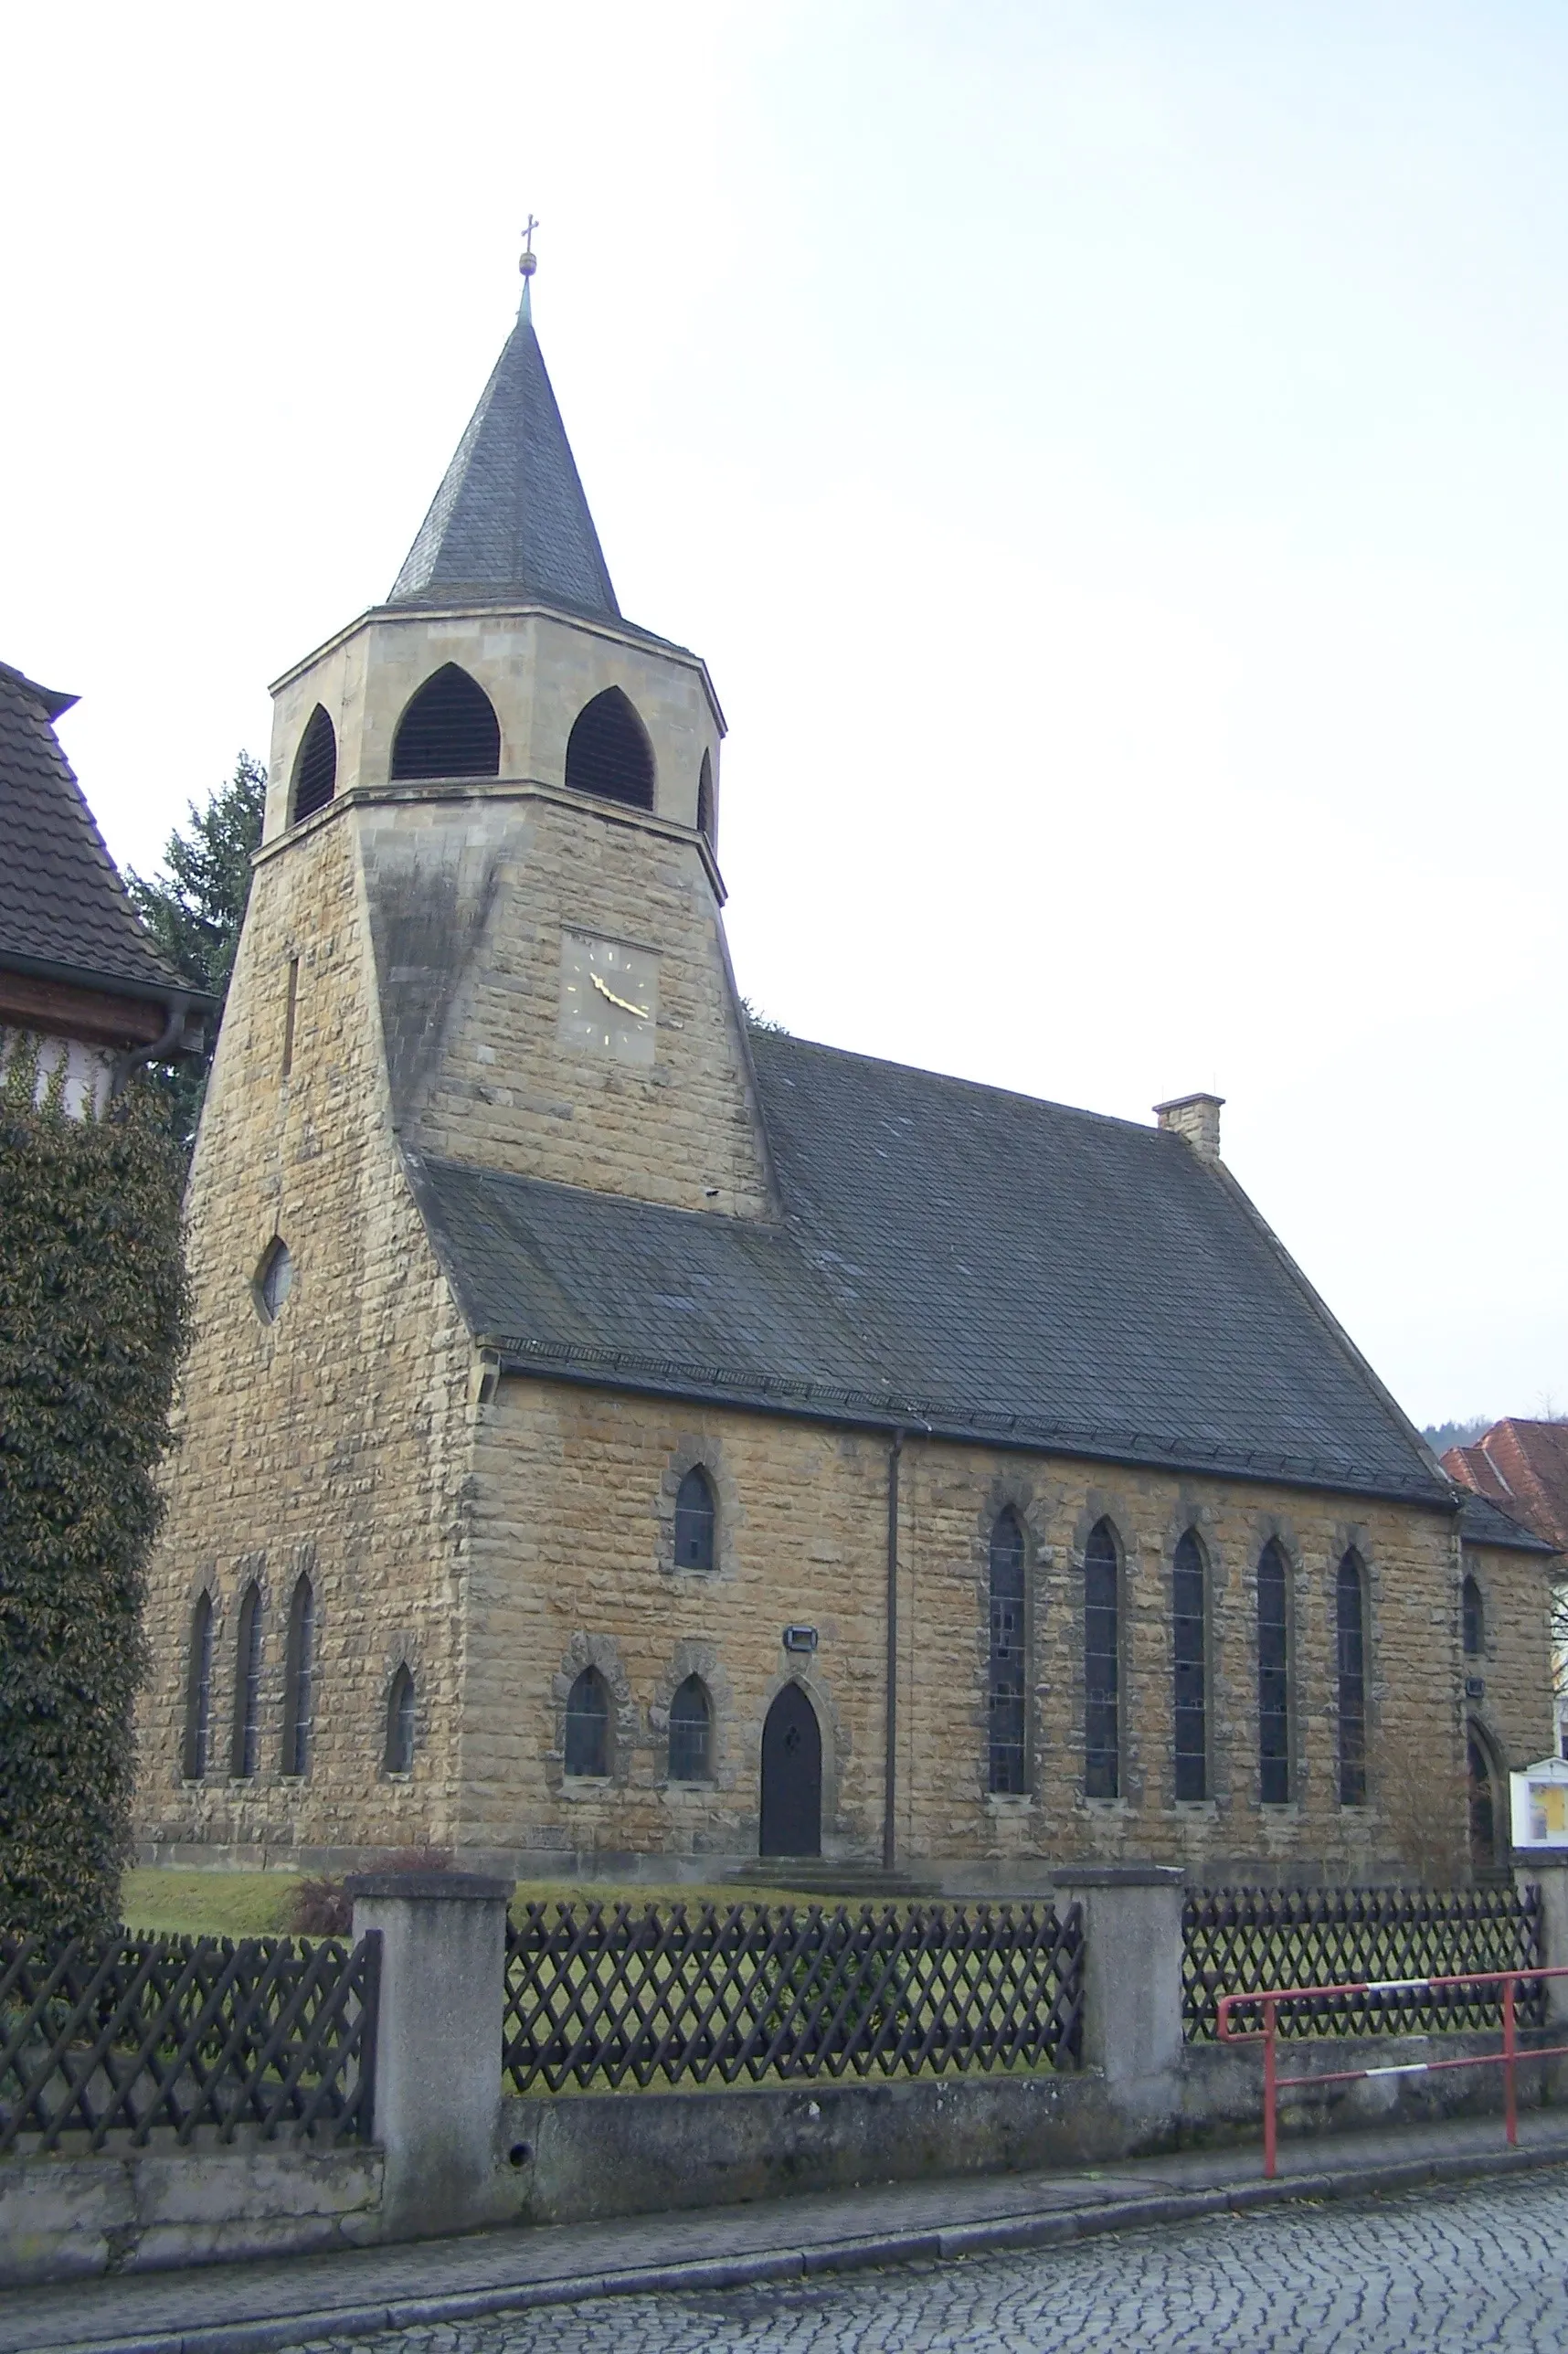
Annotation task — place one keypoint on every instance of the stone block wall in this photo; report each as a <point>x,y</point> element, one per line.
<point>149,2210</point>
<point>1514,1711</point>
<point>469,902</point>
<point>330,1441</point>
<point>573,1564</point>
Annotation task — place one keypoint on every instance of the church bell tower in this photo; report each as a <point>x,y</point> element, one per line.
<point>532,787</point>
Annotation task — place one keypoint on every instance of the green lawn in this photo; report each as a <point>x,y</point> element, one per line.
<point>256,1903</point>
<point>208,1903</point>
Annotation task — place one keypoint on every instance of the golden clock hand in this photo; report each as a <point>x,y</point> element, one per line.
<point>626,1007</point>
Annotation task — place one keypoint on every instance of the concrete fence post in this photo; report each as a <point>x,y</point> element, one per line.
<point>1132,1966</point>
<point>1547,1867</point>
<point>438,2044</point>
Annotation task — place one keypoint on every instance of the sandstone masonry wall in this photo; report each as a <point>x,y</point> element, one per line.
<point>573,1564</point>
<point>1515,1664</point>
<point>469,901</point>
<point>330,1441</point>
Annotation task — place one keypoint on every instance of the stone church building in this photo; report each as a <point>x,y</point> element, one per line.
<point>617,1439</point>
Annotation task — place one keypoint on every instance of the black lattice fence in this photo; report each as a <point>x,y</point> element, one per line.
<point>1238,1939</point>
<point>126,2036</point>
<point>609,1994</point>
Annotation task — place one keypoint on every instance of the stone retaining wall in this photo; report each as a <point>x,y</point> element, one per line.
<point>579,2158</point>
<point>146,2209</point>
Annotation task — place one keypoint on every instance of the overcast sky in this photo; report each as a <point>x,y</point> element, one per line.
<point>1111,456</point>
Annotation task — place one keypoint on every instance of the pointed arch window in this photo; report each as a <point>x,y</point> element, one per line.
<point>398,1752</point>
<point>587,1724</point>
<point>1349,1621</point>
<point>316,768</point>
<point>1188,1644</point>
<point>247,1754</point>
<point>274,1280</point>
<point>198,1691</point>
<point>1273,1676</point>
<point>299,1678</point>
<point>609,754</point>
<point>695,1521</point>
<point>1102,1705</point>
<point>1008,1761</point>
<point>705,798</point>
<point>691,1732</point>
<point>1474,1615</point>
<point>448,730</point>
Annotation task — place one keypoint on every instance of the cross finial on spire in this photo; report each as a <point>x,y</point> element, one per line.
<point>528,263</point>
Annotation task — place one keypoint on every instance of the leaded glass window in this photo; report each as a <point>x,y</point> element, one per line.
<point>587,1724</point>
<point>400,1724</point>
<point>1474,1621</point>
<point>691,1732</point>
<point>1101,1729</point>
<point>1008,1766</point>
<point>1349,1613</point>
<point>248,1686</point>
<point>1273,1676</point>
<point>695,1521</point>
<point>1188,1633</point>
<point>300,1680</point>
<point>198,1691</point>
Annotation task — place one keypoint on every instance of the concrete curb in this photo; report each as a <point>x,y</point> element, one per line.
<point>996,2235</point>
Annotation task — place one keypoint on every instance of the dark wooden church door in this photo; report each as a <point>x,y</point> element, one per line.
<point>1483,1807</point>
<point>791,1777</point>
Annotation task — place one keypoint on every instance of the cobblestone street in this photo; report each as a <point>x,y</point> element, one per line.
<point>1479,2266</point>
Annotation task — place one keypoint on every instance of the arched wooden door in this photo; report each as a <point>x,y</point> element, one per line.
<point>1483,1804</point>
<point>791,1777</point>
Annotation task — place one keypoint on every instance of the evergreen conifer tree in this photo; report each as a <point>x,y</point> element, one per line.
<point>195,909</point>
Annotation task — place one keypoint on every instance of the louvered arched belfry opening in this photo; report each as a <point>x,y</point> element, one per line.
<point>448,730</point>
<point>316,768</point>
<point>609,754</point>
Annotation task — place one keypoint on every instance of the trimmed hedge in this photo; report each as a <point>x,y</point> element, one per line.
<point>93,1314</point>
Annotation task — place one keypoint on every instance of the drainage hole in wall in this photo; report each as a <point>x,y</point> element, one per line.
<point>519,2153</point>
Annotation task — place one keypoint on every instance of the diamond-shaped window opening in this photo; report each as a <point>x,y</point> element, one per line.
<point>274,1280</point>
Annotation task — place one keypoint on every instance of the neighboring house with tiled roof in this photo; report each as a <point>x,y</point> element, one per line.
<point>82,985</point>
<point>617,1441</point>
<point>1523,1467</point>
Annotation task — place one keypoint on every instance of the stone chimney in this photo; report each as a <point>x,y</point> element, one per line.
<point>1197,1117</point>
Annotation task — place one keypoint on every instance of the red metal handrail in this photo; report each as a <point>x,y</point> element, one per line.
<point>1270,1999</point>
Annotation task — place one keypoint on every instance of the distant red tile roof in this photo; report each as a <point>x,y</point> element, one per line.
<point>1523,1466</point>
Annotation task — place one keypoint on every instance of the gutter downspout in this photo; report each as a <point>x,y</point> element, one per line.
<point>890,1770</point>
<point>179,1006</point>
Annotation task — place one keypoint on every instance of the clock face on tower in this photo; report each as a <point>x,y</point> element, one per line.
<point>610,998</point>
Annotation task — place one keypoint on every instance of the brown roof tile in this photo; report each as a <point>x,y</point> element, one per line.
<point>1524,1465</point>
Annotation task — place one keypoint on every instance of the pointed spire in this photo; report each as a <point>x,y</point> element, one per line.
<point>527,267</point>
<point>510,523</point>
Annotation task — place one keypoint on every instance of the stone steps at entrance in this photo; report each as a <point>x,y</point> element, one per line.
<point>820,1876</point>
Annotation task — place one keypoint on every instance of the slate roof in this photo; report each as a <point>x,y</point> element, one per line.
<point>63,908</point>
<point>998,1267</point>
<point>510,521</point>
<point>1483,1523</point>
